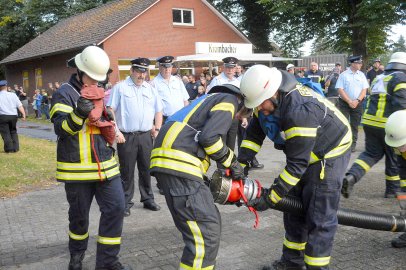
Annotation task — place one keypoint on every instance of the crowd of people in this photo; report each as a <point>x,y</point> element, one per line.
<point>172,126</point>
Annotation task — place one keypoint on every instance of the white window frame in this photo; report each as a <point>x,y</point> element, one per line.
<point>182,23</point>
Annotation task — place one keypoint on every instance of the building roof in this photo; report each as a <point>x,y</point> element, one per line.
<point>91,27</point>
<point>87,28</point>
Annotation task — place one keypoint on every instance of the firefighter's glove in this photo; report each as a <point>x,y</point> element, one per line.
<point>83,107</point>
<point>247,166</point>
<point>109,115</point>
<point>263,202</point>
<point>237,171</point>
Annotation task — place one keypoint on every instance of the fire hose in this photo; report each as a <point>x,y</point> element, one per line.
<point>228,191</point>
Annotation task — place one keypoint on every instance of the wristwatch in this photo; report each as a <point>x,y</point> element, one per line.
<point>358,100</point>
<point>157,129</point>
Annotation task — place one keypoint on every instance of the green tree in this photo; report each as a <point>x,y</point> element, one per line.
<point>23,20</point>
<point>251,17</point>
<point>359,27</point>
<point>399,46</point>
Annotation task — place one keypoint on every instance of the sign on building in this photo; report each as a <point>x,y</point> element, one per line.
<point>223,48</point>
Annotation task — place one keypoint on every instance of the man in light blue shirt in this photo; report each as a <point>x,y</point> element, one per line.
<point>170,88</point>
<point>136,104</point>
<point>352,86</point>
<point>227,76</point>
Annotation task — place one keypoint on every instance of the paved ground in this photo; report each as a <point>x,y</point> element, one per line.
<point>33,229</point>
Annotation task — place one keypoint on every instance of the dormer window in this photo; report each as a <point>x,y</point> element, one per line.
<point>182,16</point>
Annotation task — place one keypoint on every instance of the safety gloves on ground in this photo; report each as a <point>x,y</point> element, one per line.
<point>237,171</point>
<point>83,107</point>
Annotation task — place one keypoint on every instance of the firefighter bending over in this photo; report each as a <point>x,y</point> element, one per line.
<point>317,146</point>
<point>179,161</point>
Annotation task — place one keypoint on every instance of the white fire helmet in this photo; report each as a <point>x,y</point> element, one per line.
<point>397,61</point>
<point>93,61</point>
<point>395,129</point>
<point>258,84</point>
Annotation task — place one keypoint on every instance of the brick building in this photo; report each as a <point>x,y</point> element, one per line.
<point>124,29</point>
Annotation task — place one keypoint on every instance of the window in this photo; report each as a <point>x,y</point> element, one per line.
<point>183,16</point>
<point>38,78</point>
<point>26,82</point>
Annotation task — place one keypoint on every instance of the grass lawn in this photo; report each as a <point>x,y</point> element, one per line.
<point>33,167</point>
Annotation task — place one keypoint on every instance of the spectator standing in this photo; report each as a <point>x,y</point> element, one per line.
<point>45,103</point>
<point>315,74</point>
<point>352,86</point>
<point>238,72</point>
<point>338,65</point>
<point>36,103</point>
<point>200,91</point>
<point>330,86</point>
<point>203,82</point>
<point>87,171</point>
<point>171,89</point>
<point>227,76</point>
<point>185,79</point>
<point>9,104</point>
<point>208,79</point>
<point>136,104</point>
<point>375,71</point>
<point>191,87</point>
<point>23,98</point>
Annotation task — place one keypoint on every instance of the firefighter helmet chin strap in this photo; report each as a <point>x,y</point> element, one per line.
<point>80,75</point>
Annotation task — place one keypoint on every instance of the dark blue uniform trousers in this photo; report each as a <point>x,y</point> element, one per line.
<point>375,149</point>
<point>309,238</point>
<point>110,197</point>
<point>196,217</point>
<point>136,151</point>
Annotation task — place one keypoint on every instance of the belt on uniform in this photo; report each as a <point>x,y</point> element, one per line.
<point>135,132</point>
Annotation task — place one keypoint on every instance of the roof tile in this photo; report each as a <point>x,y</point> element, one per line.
<point>89,27</point>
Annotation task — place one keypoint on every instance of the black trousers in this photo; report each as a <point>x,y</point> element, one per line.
<point>110,197</point>
<point>354,116</point>
<point>375,149</point>
<point>196,217</point>
<point>136,151</point>
<point>8,130</point>
<point>309,238</point>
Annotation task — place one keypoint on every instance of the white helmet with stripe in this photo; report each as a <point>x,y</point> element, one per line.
<point>395,129</point>
<point>258,84</point>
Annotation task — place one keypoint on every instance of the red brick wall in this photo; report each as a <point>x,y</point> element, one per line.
<point>53,70</point>
<point>152,34</point>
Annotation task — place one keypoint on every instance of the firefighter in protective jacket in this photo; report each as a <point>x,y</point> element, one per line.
<point>86,164</point>
<point>179,161</point>
<point>387,95</point>
<point>395,128</point>
<point>317,143</point>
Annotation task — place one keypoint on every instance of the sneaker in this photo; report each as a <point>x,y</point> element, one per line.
<point>75,262</point>
<point>348,185</point>
<point>284,265</point>
<point>116,266</point>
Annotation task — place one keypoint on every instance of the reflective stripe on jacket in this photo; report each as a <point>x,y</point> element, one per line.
<point>193,135</point>
<point>82,153</point>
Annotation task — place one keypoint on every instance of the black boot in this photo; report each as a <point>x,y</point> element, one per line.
<point>392,187</point>
<point>284,265</point>
<point>348,185</point>
<point>255,165</point>
<point>116,266</point>
<point>399,242</point>
<point>75,262</point>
